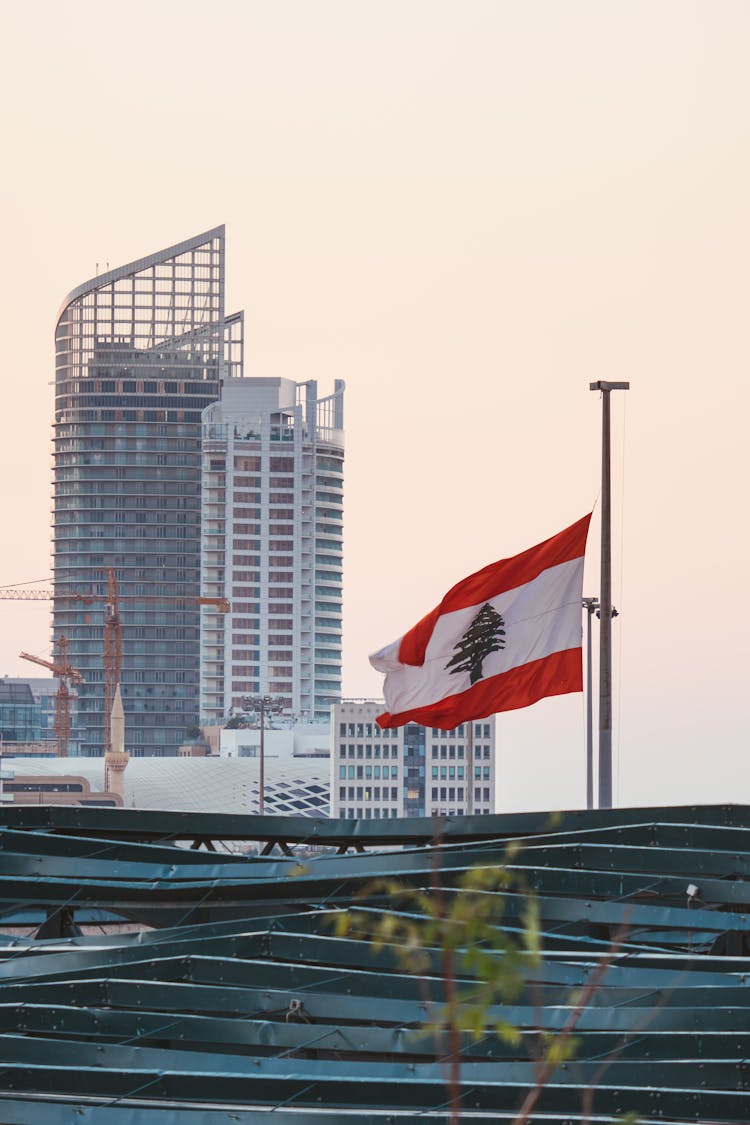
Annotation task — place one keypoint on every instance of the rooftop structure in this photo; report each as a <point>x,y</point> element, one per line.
<point>294,785</point>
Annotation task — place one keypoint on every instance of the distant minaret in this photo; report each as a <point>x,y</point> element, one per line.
<point>115,760</point>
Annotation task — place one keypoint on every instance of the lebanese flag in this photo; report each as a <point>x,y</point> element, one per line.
<point>503,638</point>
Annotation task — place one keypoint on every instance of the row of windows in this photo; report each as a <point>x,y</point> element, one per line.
<point>389,751</point>
<point>479,772</point>
<point>481,730</point>
<point>451,793</point>
<point>107,473</point>
<point>97,430</point>
<point>451,751</point>
<point>436,811</point>
<point>67,442</point>
<point>366,793</point>
<point>62,417</point>
<point>206,392</point>
<point>142,486</point>
<point>93,382</point>
<point>388,772</point>
<point>366,730</point>
<point>367,814</point>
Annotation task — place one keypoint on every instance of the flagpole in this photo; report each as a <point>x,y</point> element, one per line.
<point>605,606</point>
<point>590,605</point>
<point>470,768</point>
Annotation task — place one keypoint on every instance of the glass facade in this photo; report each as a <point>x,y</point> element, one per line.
<point>140,352</point>
<point>20,714</point>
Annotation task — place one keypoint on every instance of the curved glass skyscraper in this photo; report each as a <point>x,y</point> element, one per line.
<point>140,353</point>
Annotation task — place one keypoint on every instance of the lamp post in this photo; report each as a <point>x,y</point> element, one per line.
<point>262,703</point>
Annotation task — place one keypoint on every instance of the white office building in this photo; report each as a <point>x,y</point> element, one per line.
<point>410,771</point>
<point>271,526</point>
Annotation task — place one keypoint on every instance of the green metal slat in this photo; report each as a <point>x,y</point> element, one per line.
<point>135,1060</point>
<point>349,1090</point>
<point>165,825</point>
<point>193,1032</point>
<point>36,1110</point>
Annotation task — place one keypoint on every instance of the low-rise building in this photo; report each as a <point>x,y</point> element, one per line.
<point>27,715</point>
<point>411,770</point>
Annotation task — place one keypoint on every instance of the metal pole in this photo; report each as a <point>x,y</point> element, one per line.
<point>590,605</point>
<point>470,768</point>
<point>605,607</point>
<point>262,772</point>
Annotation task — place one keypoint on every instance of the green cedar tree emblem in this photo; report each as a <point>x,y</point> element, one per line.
<point>484,635</point>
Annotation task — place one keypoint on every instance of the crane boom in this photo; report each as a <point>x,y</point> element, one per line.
<point>65,672</point>
<point>221,605</point>
<point>56,669</point>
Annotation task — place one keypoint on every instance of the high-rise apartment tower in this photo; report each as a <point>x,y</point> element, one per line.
<point>141,351</point>
<point>272,544</point>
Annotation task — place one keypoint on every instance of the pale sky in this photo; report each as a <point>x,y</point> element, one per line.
<point>468,210</point>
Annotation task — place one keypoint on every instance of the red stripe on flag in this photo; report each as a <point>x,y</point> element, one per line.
<point>556,674</point>
<point>507,574</point>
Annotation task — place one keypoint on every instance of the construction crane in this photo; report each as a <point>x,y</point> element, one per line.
<point>112,624</point>
<point>66,674</point>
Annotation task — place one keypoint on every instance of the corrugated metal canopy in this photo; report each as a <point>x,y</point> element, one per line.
<point>240,1000</point>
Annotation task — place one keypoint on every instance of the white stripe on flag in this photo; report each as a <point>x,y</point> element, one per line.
<point>541,617</point>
